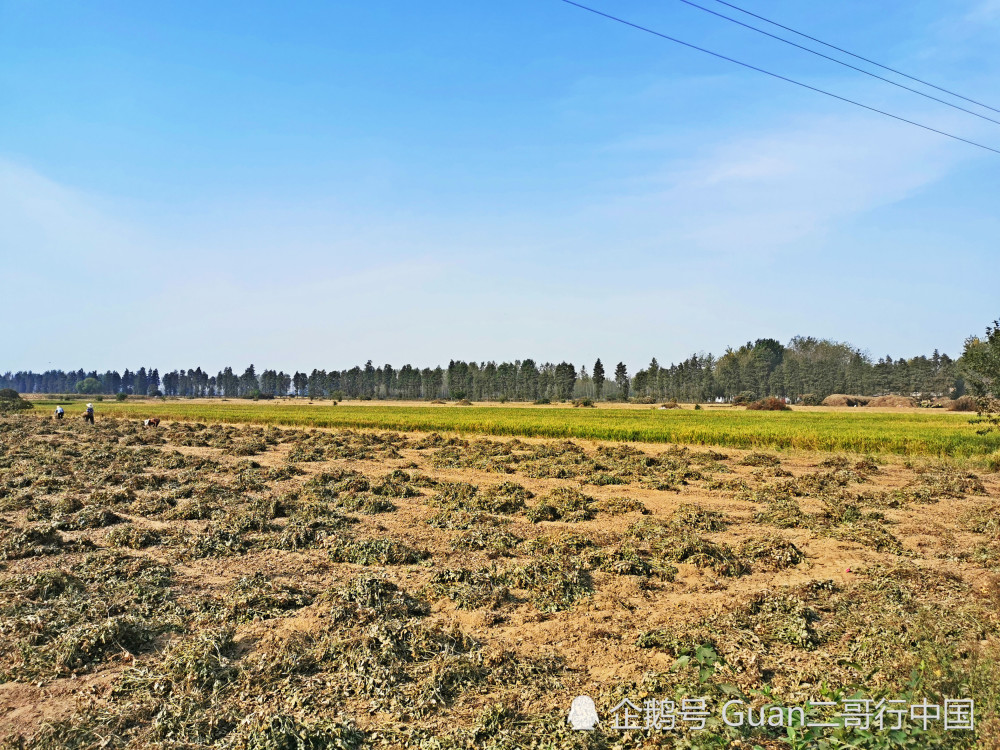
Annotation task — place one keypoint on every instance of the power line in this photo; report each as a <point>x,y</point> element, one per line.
<point>859,57</point>
<point>840,62</point>
<point>778,76</point>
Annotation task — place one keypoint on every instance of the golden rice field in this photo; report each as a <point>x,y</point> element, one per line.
<point>932,433</point>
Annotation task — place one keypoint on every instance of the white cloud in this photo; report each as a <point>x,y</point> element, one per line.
<point>762,195</point>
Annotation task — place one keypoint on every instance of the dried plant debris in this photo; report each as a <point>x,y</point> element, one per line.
<point>621,557</point>
<point>560,544</point>
<point>257,597</point>
<point>371,596</point>
<point>217,540</point>
<point>770,553</point>
<point>506,497</point>
<point>760,459</point>
<point>868,533</point>
<point>245,587</point>
<point>471,589</point>
<point>299,533</point>
<point>133,537</point>
<point>32,541</point>
<point>692,517</point>
<point>564,504</point>
<point>462,519</point>
<point>983,519</point>
<point>375,552</point>
<point>617,506</point>
<point>64,621</point>
<point>679,544</point>
<point>696,550</point>
<point>783,512</point>
<point>555,582</point>
<point>489,539</point>
<point>628,559</point>
<point>945,484</point>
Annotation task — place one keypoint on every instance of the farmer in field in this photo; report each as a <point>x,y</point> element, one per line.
<point>88,416</point>
<point>59,412</point>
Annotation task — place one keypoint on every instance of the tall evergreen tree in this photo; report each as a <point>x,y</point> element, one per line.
<point>248,382</point>
<point>565,379</point>
<point>621,380</point>
<point>527,380</point>
<point>598,378</point>
<point>316,384</point>
<point>388,380</point>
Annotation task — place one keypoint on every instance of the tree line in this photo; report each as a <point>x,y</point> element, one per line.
<point>806,368</point>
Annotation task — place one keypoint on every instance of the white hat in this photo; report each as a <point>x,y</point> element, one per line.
<point>90,406</point>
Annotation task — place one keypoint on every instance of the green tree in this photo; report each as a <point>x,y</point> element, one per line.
<point>598,378</point>
<point>727,373</point>
<point>765,357</point>
<point>248,382</point>
<point>565,379</point>
<point>368,380</point>
<point>227,383</point>
<point>316,384</point>
<point>980,362</point>
<point>507,379</point>
<point>89,385</point>
<point>651,387</point>
<point>459,379</point>
<point>621,380</point>
<point>527,379</point>
<point>981,365</point>
<point>388,380</point>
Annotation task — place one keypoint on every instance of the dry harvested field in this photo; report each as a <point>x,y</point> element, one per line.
<point>241,586</point>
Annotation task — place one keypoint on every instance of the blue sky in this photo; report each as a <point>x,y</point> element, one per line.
<point>306,185</point>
